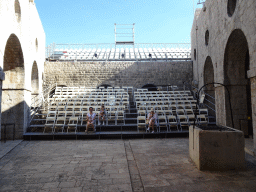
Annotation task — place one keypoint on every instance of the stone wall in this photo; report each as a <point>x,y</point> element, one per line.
<point>224,31</point>
<point>22,45</point>
<point>137,74</point>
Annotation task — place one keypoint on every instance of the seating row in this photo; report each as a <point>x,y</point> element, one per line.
<point>142,97</point>
<point>85,108</point>
<point>88,102</point>
<point>146,92</point>
<point>166,112</point>
<point>178,122</point>
<point>89,96</point>
<point>61,119</point>
<point>87,89</point>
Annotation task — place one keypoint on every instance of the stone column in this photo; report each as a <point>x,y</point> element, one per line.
<point>15,110</point>
<point>220,106</point>
<point>2,77</point>
<point>252,75</point>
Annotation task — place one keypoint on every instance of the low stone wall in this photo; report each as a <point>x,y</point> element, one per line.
<point>137,74</point>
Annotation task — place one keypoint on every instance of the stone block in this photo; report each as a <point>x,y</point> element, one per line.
<point>217,150</point>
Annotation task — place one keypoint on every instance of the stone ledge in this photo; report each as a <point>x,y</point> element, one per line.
<point>251,73</point>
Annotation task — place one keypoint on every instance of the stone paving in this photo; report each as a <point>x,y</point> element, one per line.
<point>115,165</point>
<point>7,146</point>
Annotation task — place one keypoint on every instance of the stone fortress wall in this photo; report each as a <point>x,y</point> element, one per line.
<point>22,50</point>
<point>136,74</point>
<point>223,48</point>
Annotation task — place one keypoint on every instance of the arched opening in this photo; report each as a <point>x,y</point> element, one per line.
<point>236,65</point>
<point>17,10</point>
<point>53,90</point>
<point>150,87</point>
<point>207,37</point>
<point>34,79</point>
<point>36,43</point>
<point>104,85</point>
<point>209,89</point>
<point>231,7</point>
<point>14,108</point>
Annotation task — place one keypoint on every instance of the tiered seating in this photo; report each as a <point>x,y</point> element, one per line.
<point>69,106</point>
<point>122,54</point>
<point>175,109</point>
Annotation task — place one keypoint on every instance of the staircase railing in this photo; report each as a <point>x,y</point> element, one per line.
<point>40,101</point>
<point>194,90</point>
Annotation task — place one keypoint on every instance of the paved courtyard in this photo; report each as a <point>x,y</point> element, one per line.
<point>115,165</point>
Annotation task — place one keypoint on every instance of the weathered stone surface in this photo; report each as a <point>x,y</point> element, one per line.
<point>22,44</point>
<point>162,165</point>
<point>137,74</point>
<point>232,49</point>
<point>216,150</point>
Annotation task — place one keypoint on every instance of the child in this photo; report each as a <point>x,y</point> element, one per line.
<point>102,114</point>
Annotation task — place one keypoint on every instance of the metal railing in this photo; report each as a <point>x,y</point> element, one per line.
<point>40,102</point>
<point>194,90</point>
<point>52,50</point>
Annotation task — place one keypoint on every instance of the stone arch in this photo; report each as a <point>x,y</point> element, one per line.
<point>150,87</point>
<point>209,89</point>
<point>53,90</point>
<point>13,105</point>
<point>34,79</point>
<point>236,65</point>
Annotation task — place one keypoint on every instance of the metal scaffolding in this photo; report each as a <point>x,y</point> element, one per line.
<point>119,52</point>
<point>124,34</point>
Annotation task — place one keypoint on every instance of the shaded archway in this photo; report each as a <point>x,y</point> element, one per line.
<point>236,65</point>
<point>14,108</point>
<point>104,85</point>
<point>150,87</point>
<point>34,79</point>
<point>209,89</point>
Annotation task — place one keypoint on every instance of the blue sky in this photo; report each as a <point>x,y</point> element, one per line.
<point>84,21</point>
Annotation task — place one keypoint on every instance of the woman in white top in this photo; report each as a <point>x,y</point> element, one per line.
<point>90,119</point>
<point>152,117</point>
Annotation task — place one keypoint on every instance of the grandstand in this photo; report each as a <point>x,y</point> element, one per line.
<point>113,52</point>
<point>64,112</point>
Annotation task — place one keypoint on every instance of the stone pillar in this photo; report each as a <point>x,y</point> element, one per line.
<point>252,75</point>
<point>15,110</point>
<point>2,76</point>
<point>220,106</point>
<point>253,99</point>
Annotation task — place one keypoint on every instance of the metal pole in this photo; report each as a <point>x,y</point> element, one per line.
<point>14,132</point>
<point>4,133</point>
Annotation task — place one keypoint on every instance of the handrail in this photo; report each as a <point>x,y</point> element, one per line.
<point>39,101</point>
<point>195,95</point>
<point>228,98</point>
